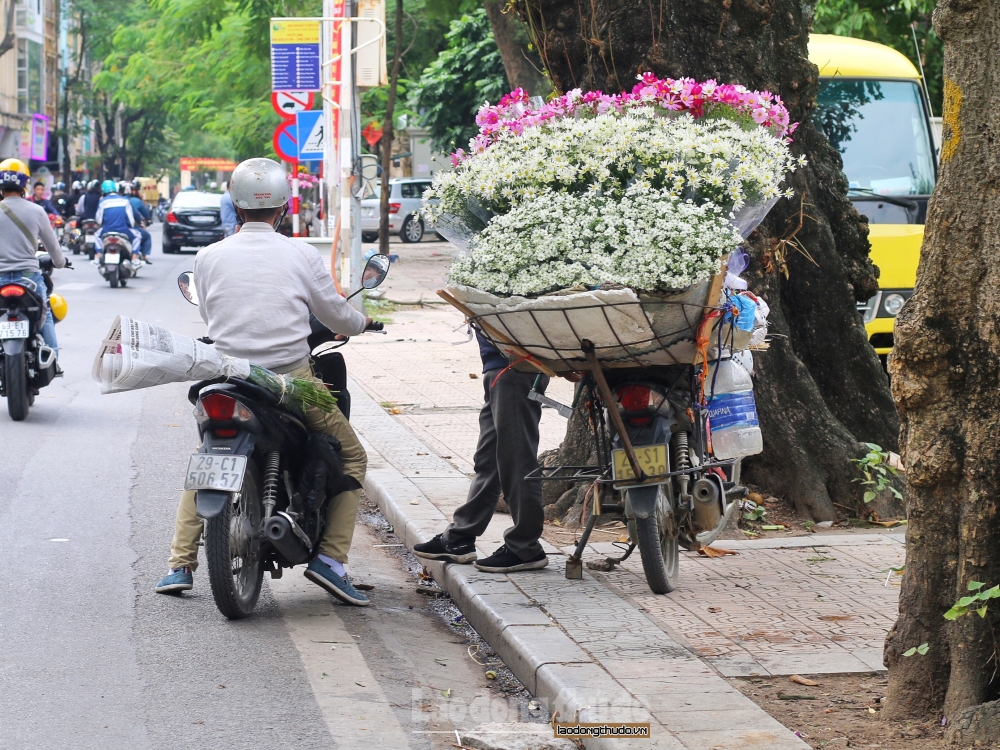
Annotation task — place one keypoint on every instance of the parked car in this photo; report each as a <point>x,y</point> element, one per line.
<point>193,220</point>
<point>405,200</point>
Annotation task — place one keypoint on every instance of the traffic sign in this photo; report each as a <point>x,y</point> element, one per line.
<point>286,143</point>
<point>295,56</point>
<point>288,103</point>
<point>311,135</point>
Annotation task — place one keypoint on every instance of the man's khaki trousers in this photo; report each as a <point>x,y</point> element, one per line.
<point>343,508</point>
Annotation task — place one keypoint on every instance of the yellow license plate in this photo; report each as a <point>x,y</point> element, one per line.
<point>652,460</point>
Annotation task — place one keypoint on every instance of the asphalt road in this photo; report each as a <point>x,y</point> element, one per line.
<point>90,657</point>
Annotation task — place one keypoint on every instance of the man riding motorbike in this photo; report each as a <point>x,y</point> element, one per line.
<point>22,225</point>
<point>142,216</point>
<point>39,199</point>
<point>114,214</point>
<point>256,290</point>
<point>86,207</point>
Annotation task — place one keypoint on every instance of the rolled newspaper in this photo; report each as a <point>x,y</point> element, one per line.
<point>139,355</point>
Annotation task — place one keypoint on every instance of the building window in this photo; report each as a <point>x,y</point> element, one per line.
<point>30,74</point>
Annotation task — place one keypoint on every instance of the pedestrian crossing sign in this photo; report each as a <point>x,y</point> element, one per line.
<point>311,134</point>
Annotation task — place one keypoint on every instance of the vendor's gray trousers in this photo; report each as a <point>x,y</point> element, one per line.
<point>507,451</point>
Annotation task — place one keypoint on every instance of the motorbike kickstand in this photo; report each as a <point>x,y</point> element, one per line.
<point>574,564</point>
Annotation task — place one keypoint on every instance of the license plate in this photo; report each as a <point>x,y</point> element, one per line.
<point>111,259</point>
<point>13,329</point>
<point>652,460</point>
<point>88,240</point>
<point>207,472</point>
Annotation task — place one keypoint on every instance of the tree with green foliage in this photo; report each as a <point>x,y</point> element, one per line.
<point>468,72</point>
<point>904,25</point>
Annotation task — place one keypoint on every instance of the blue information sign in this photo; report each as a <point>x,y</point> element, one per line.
<point>295,67</point>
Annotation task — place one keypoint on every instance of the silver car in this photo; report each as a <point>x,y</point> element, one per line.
<point>405,200</point>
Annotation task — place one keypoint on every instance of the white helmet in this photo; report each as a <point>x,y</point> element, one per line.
<point>259,183</point>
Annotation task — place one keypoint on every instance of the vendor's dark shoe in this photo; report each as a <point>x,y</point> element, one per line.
<point>340,586</point>
<point>176,581</point>
<point>505,561</point>
<point>438,549</point>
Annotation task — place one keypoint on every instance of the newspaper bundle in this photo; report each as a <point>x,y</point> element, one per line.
<point>139,355</point>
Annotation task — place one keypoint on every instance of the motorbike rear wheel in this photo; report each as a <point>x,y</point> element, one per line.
<point>114,277</point>
<point>15,378</point>
<point>656,537</point>
<point>233,550</point>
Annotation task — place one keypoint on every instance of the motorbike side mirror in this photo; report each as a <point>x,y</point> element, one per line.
<point>185,282</point>
<point>376,269</point>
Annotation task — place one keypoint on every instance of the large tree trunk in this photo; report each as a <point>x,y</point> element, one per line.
<point>511,40</point>
<point>945,380</point>
<point>820,389</point>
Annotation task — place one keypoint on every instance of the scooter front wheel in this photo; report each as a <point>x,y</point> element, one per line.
<point>656,538</point>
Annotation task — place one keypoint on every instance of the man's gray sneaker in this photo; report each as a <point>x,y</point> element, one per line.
<point>438,549</point>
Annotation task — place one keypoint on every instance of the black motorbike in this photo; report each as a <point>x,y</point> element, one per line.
<point>262,480</point>
<point>28,364</point>
<point>87,239</point>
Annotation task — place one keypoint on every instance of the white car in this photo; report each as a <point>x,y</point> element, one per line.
<point>405,200</point>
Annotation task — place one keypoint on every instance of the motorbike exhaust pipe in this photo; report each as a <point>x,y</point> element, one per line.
<point>707,509</point>
<point>280,533</point>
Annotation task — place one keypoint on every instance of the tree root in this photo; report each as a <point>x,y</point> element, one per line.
<point>980,723</point>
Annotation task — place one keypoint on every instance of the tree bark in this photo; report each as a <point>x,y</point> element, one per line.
<point>7,43</point>
<point>945,381</point>
<point>522,71</point>
<point>820,389</point>
<point>389,133</point>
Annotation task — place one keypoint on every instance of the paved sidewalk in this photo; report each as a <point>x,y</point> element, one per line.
<point>577,645</point>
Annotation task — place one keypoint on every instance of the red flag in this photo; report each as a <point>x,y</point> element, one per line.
<point>372,133</point>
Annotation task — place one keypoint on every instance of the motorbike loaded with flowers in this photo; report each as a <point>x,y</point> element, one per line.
<point>601,241</point>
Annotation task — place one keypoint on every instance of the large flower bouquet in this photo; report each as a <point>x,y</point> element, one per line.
<point>647,189</point>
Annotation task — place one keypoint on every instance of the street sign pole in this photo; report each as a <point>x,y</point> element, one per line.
<point>348,226</point>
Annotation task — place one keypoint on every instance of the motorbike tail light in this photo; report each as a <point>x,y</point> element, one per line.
<point>394,208</point>
<point>638,398</point>
<point>218,407</point>
<point>14,290</point>
<point>172,218</point>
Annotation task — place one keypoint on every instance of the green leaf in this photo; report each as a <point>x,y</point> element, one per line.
<point>874,447</point>
<point>869,496</point>
<point>910,651</point>
<point>954,613</point>
<point>993,593</point>
<point>965,601</point>
<point>982,611</point>
<point>923,648</point>
<point>975,585</point>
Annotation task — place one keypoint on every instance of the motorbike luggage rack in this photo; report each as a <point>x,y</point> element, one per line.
<point>600,475</point>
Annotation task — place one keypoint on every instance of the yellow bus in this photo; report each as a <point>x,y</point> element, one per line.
<point>872,108</point>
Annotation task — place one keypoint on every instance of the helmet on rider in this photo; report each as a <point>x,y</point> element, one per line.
<point>59,186</point>
<point>124,188</point>
<point>93,185</point>
<point>108,187</point>
<point>77,185</point>
<point>259,183</point>
<point>14,175</point>
<point>136,186</point>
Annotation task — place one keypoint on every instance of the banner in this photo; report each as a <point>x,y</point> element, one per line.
<point>206,164</point>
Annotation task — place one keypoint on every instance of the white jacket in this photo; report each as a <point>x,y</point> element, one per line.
<point>256,289</point>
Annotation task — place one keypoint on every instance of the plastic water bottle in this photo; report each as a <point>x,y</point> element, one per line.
<point>732,411</point>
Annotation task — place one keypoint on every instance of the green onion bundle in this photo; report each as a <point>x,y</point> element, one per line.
<point>299,392</point>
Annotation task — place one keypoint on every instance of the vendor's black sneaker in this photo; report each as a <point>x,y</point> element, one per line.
<point>505,561</point>
<point>438,549</point>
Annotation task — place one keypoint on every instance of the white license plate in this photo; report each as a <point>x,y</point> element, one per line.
<point>111,259</point>
<point>88,239</point>
<point>208,472</point>
<point>13,329</point>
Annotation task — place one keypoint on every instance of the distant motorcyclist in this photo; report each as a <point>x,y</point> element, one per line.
<point>143,216</point>
<point>114,214</point>
<point>39,199</point>
<point>22,225</point>
<point>86,206</point>
<point>62,200</point>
